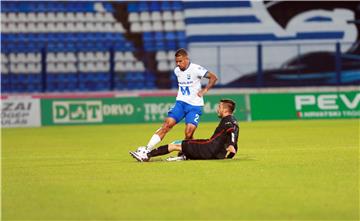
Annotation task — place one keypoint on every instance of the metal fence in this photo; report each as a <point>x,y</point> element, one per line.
<point>279,64</point>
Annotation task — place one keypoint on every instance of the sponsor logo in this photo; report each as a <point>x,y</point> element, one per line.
<point>77,112</point>
<point>20,113</point>
<point>327,105</point>
<point>156,111</point>
<point>88,111</point>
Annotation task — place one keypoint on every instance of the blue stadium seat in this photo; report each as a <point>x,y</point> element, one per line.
<point>155,6</point>
<point>180,35</point>
<point>108,6</point>
<point>133,7</point>
<point>165,6</point>
<point>143,6</point>
<point>159,36</point>
<point>177,6</point>
<point>171,45</point>
<point>148,36</point>
<point>160,45</point>
<point>170,36</point>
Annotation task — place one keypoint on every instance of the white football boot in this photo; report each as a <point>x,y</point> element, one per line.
<point>140,154</point>
<point>177,158</point>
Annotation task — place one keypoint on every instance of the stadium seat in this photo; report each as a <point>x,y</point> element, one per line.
<point>62,31</point>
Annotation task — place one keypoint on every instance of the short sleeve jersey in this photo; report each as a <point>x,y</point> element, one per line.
<point>189,82</point>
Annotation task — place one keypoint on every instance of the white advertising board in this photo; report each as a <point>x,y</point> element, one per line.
<point>20,112</point>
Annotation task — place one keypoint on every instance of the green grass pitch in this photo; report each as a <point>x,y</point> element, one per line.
<point>284,170</point>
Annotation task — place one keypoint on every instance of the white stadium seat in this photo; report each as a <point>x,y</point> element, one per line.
<point>139,66</point>
<point>144,16</point>
<point>134,17</point>
<point>82,66</point>
<point>119,56</point>
<point>99,7</point>
<point>80,17</point>
<point>107,27</point>
<point>50,57</point>
<point>38,68</point>
<point>135,27</point>
<point>4,17</point>
<point>4,27</point>
<point>21,27</point>
<point>102,66</point>
<point>129,56</point>
<point>156,16</point>
<point>50,67</point>
<point>169,26</point>
<point>92,27</point>
<point>13,68</point>
<point>119,66</point>
<point>4,69</point>
<point>90,17</point>
<point>129,66</point>
<point>61,56</point>
<point>30,68</point>
<point>60,67</point>
<point>99,17</point>
<point>4,58</point>
<point>70,17</point>
<point>70,27</point>
<point>172,64</point>
<point>161,56</point>
<point>179,25</point>
<point>146,27</point>
<point>12,17</point>
<point>178,16</point>
<point>157,26</point>
<point>60,27</point>
<point>108,17</point>
<point>167,16</point>
<point>22,17</point>
<point>163,66</point>
<point>82,56</point>
<point>117,27</point>
<point>50,27</point>
<point>41,17</point>
<point>33,57</point>
<point>71,67</point>
<point>12,27</point>
<point>51,17</point>
<point>80,26</point>
<point>71,57</point>
<point>90,67</point>
<point>171,55</point>
<point>102,56</point>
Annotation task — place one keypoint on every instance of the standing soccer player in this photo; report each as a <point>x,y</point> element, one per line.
<point>189,100</point>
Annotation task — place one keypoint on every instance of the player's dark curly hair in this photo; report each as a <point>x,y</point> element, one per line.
<point>230,104</point>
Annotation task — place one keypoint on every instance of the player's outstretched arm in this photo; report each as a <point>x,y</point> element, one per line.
<point>212,80</point>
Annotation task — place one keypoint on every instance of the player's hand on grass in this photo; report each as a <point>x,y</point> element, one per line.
<point>231,149</point>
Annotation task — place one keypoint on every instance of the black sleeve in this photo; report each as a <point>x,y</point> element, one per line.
<point>231,133</point>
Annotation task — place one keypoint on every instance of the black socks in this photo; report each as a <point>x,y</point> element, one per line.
<point>162,150</point>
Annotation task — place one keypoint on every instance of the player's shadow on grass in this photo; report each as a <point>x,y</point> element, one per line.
<point>241,158</point>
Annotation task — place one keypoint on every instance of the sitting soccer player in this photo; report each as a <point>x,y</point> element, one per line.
<point>221,145</point>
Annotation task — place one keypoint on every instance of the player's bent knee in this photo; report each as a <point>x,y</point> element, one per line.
<point>174,147</point>
<point>167,127</point>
